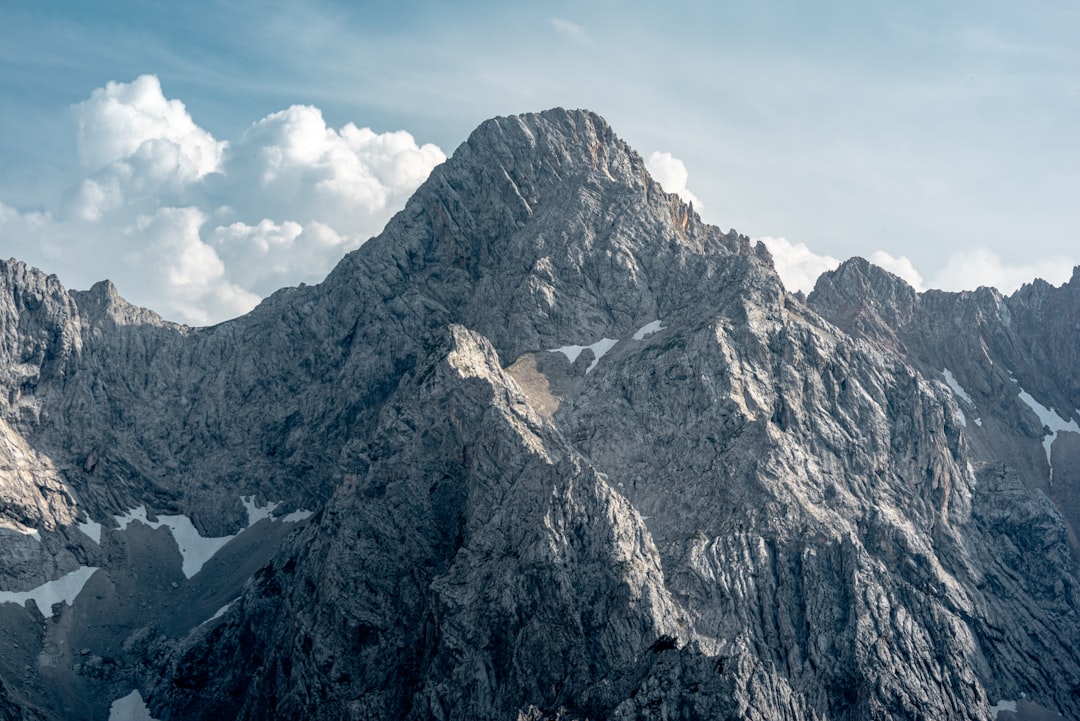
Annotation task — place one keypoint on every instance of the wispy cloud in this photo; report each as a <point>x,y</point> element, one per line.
<point>570,29</point>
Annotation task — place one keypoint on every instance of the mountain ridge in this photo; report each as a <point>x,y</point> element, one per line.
<point>572,454</point>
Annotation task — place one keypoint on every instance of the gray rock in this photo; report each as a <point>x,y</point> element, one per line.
<point>534,500</point>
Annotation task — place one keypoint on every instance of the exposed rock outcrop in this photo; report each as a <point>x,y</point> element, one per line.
<point>574,454</point>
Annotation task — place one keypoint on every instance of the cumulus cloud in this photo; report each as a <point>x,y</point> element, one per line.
<point>797,265</point>
<point>135,126</point>
<point>310,172</point>
<point>169,257</point>
<point>901,267</point>
<point>975,267</point>
<point>268,255</point>
<point>199,228</point>
<point>671,173</point>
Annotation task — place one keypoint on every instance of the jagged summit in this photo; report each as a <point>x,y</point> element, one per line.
<point>861,296</point>
<point>546,229</point>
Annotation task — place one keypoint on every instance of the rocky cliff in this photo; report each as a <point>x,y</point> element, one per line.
<point>548,447</point>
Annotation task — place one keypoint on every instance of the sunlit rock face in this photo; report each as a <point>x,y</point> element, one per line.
<point>548,447</point>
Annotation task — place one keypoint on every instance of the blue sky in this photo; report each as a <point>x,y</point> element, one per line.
<point>939,139</point>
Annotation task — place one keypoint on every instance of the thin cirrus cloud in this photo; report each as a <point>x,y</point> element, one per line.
<point>570,29</point>
<point>199,228</point>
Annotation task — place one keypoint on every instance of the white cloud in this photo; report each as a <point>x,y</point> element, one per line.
<point>671,173</point>
<point>901,267</point>
<point>797,265</point>
<point>974,267</point>
<point>92,199</point>
<point>170,258</point>
<point>134,125</point>
<point>199,229</point>
<point>307,171</point>
<point>269,255</point>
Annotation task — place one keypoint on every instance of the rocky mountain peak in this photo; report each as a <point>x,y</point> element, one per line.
<point>103,303</point>
<point>559,141</point>
<point>863,297</point>
<point>545,229</point>
<point>549,447</point>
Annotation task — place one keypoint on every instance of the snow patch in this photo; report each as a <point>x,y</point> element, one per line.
<point>1003,706</point>
<point>599,348</point>
<point>92,529</point>
<point>65,589</point>
<point>130,708</point>
<point>647,330</point>
<point>195,550</point>
<point>255,513</point>
<point>220,612</point>
<point>959,392</point>
<point>1050,419</point>
<point>21,530</point>
<point>957,389</point>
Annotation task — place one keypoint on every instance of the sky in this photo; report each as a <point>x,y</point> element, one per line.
<point>202,154</point>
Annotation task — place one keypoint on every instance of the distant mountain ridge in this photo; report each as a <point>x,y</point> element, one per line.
<point>719,500</point>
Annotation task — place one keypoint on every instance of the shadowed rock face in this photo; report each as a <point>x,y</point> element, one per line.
<point>574,454</point>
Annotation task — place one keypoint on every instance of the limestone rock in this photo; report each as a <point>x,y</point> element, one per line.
<point>572,454</point>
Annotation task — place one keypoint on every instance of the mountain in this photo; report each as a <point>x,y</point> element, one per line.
<point>549,447</point>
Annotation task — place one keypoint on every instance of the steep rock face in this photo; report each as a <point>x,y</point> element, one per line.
<point>1010,362</point>
<point>575,455</point>
<point>472,566</point>
<point>1007,362</point>
<point>809,493</point>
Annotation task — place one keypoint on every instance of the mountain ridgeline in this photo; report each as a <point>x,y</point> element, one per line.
<point>549,447</point>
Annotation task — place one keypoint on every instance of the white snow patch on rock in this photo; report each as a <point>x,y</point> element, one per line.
<point>65,589</point>
<point>950,379</point>
<point>296,516</point>
<point>92,529</point>
<point>570,351</point>
<point>647,330</point>
<point>599,348</point>
<point>959,392</point>
<point>21,530</point>
<point>1003,706</point>
<point>130,708</point>
<point>195,550</point>
<point>255,513</point>
<point>1050,419</point>
<point>220,612</point>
